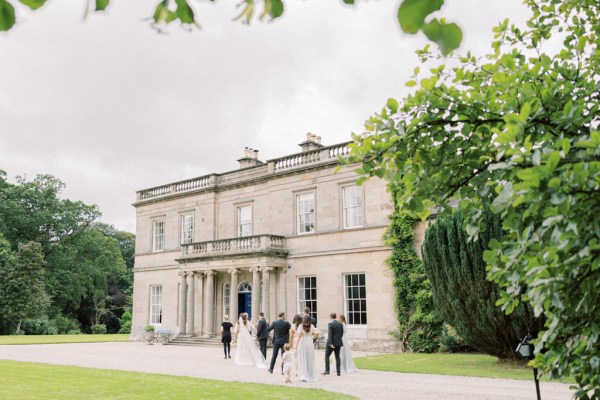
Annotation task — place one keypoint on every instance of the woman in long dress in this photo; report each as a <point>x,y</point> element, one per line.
<point>296,324</point>
<point>346,363</point>
<point>246,352</point>
<point>305,351</point>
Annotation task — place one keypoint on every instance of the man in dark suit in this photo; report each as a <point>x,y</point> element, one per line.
<point>262,334</point>
<point>281,335</point>
<point>335,331</point>
<point>313,320</point>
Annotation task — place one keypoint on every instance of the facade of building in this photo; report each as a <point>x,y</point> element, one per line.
<point>273,236</point>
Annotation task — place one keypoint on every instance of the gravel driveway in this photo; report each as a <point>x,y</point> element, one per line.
<point>209,363</point>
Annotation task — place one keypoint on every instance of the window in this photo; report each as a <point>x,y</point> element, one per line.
<point>305,208</point>
<point>353,206</point>
<point>187,229</point>
<point>355,299</point>
<point>158,235</point>
<point>226,299</point>
<point>244,221</point>
<point>307,295</point>
<point>156,304</point>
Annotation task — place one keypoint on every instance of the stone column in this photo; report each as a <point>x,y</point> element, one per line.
<point>255,292</point>
<point>233,295</point>
<point>182,302</point>
<point>282,290</point>
<point>209,299</point>
<point>266,294</point>
<point>190,303</point>
<point>200,328</point>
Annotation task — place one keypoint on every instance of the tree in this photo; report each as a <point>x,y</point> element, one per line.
<point>419,324</point>
<point>22,288</point>
<point>463,296</point>
<point>515,133</point>
<point>411,16</point>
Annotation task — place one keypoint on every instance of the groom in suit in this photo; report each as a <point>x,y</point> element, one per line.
<point>281,336</point>
<point>335,331</point>
<point>262,334</point>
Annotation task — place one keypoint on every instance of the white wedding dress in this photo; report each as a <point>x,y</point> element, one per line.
<point>246,351</point>
<point>346,363</point>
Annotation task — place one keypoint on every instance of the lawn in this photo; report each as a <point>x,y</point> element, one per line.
<point>52,339</point>
<point>32,381</point>
<point>446,364</point>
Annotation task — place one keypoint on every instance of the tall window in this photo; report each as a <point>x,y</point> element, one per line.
<point>355,299</point>
<point>244,221</point>
<point>306,212</point>
<point>156,304</point>
<point>307,295</point>
<point>353,206</point>
<point>158,235</point>
<point>187,228</point>
<point>226,299</point>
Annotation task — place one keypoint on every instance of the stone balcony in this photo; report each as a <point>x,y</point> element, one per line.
<point>257,245</point>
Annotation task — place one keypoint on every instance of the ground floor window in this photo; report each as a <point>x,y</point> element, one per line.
<point>355,299</point>
<point>156,304</point>
<point>307,295</point>
<point>226,299</point>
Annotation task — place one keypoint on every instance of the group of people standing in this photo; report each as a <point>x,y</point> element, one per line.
<point>294,341</point>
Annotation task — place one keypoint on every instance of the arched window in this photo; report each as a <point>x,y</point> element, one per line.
<point>244,287</point>
<point>226,299</point>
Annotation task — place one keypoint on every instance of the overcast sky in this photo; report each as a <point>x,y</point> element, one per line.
<point>110,107</point>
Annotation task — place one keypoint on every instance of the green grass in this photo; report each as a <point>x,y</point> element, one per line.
<point>446,364</point>
<point>25,381</point>
<point>53,339</point>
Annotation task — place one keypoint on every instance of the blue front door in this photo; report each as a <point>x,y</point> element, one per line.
<point>245,303</point>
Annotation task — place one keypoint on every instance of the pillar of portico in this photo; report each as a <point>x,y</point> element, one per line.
<point>233,295</point>
<point>255,292</point>
<point>200,327</point>
<point>281,303</point>
<point>190,303</point>
<point>182,302</point>
<point>266,293</point>
<point>209,299</point>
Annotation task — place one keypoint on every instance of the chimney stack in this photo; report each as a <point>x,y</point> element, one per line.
<point>313,142</point>
<point>250,158</point>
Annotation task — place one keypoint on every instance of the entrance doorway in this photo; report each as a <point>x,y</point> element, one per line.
<point>245,299</point>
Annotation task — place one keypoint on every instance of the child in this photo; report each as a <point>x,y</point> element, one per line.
<point>287,361</point>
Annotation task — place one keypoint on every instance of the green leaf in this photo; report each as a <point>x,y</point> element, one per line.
<point>412,13</point>
<point>7,15</point>
<point>101,5</point>
<point>392,104</point>
<point>277,8</point>
<point>348,1</point>
<point>184,12</point>
<point>33,4</point>
<point>447,36</point>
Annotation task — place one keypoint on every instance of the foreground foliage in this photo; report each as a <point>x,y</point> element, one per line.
<point>411,16</point>
<point>515,133</point>
<point>65,383</point>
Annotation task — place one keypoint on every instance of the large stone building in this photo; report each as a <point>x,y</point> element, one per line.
<point>279,235</point>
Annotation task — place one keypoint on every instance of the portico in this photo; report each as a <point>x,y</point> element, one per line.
<point>215,275</point>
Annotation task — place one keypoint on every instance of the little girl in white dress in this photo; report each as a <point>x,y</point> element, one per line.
<point>288,362</point>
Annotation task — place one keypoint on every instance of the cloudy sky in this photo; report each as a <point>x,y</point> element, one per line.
<point>110,107</point>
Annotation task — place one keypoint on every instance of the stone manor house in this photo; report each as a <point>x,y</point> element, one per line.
<point>280,235</point>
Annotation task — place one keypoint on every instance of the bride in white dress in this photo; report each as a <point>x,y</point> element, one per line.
<point>246,352</point>
<point>346,363</point>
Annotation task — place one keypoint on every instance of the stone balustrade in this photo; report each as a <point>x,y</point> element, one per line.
<point>259,244</point>
<point>278,165</point>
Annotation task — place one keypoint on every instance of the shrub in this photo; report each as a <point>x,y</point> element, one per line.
<point>424,341</point>
<point>149,328</point>
<point>64,324</point>
<point>125,322</point>
<point>452,342</point>
<point>52,331</point>
<point>74,332</point>
<point>98,329</point>
<point>34,326</point>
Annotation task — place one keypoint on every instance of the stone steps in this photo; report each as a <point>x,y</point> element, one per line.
<point>194,341</point>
